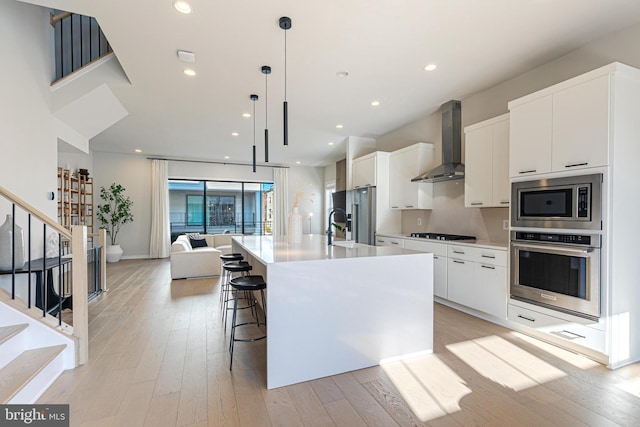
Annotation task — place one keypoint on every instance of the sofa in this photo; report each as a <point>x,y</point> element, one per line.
<point>190,258</point>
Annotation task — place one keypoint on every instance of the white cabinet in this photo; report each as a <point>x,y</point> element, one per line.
<point>364,171</point>
<point>478,278</point>
<point>487,163</point>
<point>581,126</point>
<point>439,251</point>
<point>565,129</point>
<point>405,164</point>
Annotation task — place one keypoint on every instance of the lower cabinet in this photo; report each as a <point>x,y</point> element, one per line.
<point>478,279</point>
<point>439,251</point>
<point>389,241</point>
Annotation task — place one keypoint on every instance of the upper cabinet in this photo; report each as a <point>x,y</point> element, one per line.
<point>487,163</point>
<point>405,164</point>
<point>562,128</point>
<point>364,170</point>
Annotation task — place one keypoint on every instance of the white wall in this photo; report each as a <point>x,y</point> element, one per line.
<point>29,148</point>
<point>133,172</point>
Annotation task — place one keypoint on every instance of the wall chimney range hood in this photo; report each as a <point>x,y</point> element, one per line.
<point>451,167</point>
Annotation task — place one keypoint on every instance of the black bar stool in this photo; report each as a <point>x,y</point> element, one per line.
<point>226,275</point>
<point>246,284</point>
<point>243,268</point>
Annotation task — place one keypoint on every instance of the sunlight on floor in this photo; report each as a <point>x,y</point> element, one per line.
<point>504,363</point>
<point>575,359</point>
<point>428,385</point>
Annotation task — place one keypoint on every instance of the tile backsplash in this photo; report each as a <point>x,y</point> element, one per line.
<point>450,216</point>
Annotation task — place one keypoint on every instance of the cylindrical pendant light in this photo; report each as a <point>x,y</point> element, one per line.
<point>266,70</point>
<point>254,98</point>
<point>285,24</point>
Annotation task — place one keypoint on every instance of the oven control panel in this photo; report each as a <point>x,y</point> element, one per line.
<point>573,239</point>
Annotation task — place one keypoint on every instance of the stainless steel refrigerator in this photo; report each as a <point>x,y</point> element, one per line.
<point>361,204</point>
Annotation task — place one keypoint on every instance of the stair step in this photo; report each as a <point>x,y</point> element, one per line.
<point>15,375</point>
<point>6,332</point>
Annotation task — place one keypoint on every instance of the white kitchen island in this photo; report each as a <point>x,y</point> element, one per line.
<point>333,309</point>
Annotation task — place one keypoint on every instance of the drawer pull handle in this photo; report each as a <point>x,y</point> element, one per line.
<point>564,331</point>
<point>394,207</point>
<point>458,262</point>
<point>576,164</point>
<point>530,319</point>
<point>476,204</point>
<point>435,257</point>
<point>488,266</point>
<point>394,243</point>
<point>408,206</point>
<point>458,252</point>
<point>489,256</point>
<point>504,202</point>
<point>529,171</point>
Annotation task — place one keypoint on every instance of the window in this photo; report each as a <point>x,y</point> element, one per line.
<point>217,207</point>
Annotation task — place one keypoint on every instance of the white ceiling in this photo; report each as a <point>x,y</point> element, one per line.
<point>383,44</point>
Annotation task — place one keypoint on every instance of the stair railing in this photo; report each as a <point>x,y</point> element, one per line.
<point>78,40</point>
<point>72,249</point>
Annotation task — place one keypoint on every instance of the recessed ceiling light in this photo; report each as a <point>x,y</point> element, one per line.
<point>342,74</point>
<point>331,143</point>
<point>246,115</point>
<point>189,72</point>
<point>339,126</point>
<point>234,133</point>
<point>226,157</point>
<point>298,162</point>
<point>375,103</point>
<point>430,67</point>
<point>182,6</point>
<point>137,150</point>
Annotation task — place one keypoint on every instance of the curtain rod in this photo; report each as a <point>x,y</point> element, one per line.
<point>218,163</point>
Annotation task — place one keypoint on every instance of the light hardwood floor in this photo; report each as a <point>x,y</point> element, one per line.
<point>158,357</point>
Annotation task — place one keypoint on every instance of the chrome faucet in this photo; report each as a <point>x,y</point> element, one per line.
<point>329,232</point>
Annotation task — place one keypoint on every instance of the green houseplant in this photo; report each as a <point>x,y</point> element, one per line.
<point>113,213</point>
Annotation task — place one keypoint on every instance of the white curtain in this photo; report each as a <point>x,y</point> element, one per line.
<point>280,200</point>
<point>160,245</point>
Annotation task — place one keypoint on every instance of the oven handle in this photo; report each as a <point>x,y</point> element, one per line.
<point>553,249</point>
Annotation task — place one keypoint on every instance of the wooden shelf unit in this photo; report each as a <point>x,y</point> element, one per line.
<point>75,199</point>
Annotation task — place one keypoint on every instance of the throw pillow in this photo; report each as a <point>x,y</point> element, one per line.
<point>193,236</point>
<point>198,243</point>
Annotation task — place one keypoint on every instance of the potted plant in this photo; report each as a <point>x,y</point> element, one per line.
<point>115,212</point>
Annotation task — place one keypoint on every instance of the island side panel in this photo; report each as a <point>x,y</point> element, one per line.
<point>327,317</point>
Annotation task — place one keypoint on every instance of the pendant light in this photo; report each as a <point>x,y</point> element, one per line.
<point>254,98</point>
<point>266,70</point>
<point>285,24</point>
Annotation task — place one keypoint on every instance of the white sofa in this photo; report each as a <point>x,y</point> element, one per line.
<point>187,261</point>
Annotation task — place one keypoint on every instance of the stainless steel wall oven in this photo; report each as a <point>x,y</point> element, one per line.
<point>557,270</point>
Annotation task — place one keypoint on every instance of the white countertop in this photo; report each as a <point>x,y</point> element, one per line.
<point>477,243</point>
<point>272,249</point>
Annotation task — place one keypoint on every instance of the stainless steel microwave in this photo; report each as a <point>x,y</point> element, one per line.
<point>564,203</point>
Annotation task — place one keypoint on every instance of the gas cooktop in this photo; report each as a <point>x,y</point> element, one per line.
<point>442,236</point>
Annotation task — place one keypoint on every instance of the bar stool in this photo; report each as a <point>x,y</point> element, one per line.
<point>226,275</point>
<point>246,284</point>
<point>241,267</point>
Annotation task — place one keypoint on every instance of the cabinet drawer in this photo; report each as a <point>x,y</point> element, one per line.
<point>481,255</point>
<point>557,327</point>
<point>389,241</point>
<point>435,248</point>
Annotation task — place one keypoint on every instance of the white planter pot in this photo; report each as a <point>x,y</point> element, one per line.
<point>114,253</point>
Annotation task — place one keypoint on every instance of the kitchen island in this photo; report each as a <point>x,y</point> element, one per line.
<point>334,309</point>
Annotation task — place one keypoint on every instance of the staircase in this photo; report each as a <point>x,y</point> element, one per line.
<point>31,356</point>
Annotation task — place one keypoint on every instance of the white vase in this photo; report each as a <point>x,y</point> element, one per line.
<point>6,248</point>
<point>114,253</point>
<point>294,228</point>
